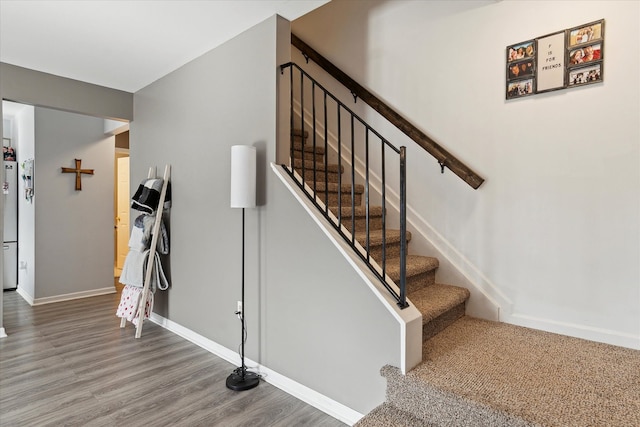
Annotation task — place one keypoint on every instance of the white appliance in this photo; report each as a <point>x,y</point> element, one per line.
<point>10,244</point>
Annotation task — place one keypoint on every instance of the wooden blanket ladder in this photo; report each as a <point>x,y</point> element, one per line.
<point>152,250</point>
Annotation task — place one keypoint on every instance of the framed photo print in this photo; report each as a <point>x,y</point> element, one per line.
<point>584,34</point>
<point>518,70</point>
<point>520,51</point>
<point>585,54</point>
<point>520,88</point>
<point>585,75</point>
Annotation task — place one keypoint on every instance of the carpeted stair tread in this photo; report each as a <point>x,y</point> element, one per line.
<point>375,249</point>
<point>387,415</point>
<point>416,264</point>
<point>309,165</point>
<point>308,147</point>
<point>436,299</point>
<point>346,211</point>
<point>333,187</point>
<point>319,176</point>
<point>480,373</point>
<point>298,132</point>
<point>375,237</point>
<point>441,407</point>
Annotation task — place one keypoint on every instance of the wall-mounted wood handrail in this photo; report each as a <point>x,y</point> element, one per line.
<point>445,159</point>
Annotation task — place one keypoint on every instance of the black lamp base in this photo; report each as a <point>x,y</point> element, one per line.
<point>237,382</point>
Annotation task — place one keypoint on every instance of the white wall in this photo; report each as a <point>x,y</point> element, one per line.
<point>25,124</point>
<point>553,234</point>
<point>7,131</point>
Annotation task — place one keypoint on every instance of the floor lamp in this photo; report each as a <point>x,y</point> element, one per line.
<point>243,195</point>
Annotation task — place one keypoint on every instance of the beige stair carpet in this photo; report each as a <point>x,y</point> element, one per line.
<point>500,374</point>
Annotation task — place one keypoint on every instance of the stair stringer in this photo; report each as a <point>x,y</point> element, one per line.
<point>486,301</point>
<point>409,319</point>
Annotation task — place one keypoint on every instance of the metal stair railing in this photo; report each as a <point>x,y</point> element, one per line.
<point>324,110</point>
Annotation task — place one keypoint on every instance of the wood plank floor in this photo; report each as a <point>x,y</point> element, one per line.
<point>70,364</point>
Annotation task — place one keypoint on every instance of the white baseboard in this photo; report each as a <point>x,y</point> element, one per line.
<point>602,335</point>
<point>65,297</point>
<point>3,334</point>
<point>295,389</point>
<point>25,296</point>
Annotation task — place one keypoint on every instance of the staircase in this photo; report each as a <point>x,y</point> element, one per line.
<point>440,304</point>
<point>475,372</point>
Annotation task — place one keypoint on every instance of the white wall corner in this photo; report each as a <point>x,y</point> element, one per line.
<point>25,295</point>
<point>115,127</point>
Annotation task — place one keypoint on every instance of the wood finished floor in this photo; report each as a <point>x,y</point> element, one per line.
<point>70,364</point>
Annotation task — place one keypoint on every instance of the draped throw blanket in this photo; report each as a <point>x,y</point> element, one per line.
<point>135,268</point>
<point>147,196</point>
<point>130,304</point>
<point>144,223</point>
<point>135,264</point>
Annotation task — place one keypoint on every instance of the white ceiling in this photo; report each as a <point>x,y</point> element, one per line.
<point>126,45</point>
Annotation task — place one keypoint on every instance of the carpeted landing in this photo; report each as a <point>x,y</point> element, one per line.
<point>480,373</point>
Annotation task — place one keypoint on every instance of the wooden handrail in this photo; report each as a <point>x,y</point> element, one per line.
<point>445,159</point>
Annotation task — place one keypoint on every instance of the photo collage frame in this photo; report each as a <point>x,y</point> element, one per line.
<point>561,60</point>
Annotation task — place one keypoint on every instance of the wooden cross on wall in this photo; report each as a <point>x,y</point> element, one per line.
<point>78,171</point>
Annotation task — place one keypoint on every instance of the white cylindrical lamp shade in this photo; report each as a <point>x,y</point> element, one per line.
<point>243,176</point>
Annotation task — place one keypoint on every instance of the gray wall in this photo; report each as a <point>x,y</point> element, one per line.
<point>46,90</point>
<point>73,229</point>
<point>190,119</point>
<point>310,317</point>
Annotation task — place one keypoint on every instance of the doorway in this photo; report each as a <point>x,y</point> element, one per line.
<point>121,202</point>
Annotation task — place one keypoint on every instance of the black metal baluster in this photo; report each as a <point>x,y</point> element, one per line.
<point>366,191</point>
<point>291,136</point>
<point>313,123</point>
<point>302,124</point>
<point>353,182</point>
<point>384,216</point>
<point>403,227</point>
<point>326,159</point>
<point>339,169</point>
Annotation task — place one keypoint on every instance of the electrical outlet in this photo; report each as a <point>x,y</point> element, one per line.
<point>239,309</point>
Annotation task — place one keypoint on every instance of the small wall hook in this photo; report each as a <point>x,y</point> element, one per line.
<point>355,97</point>
<point>306,57</point>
